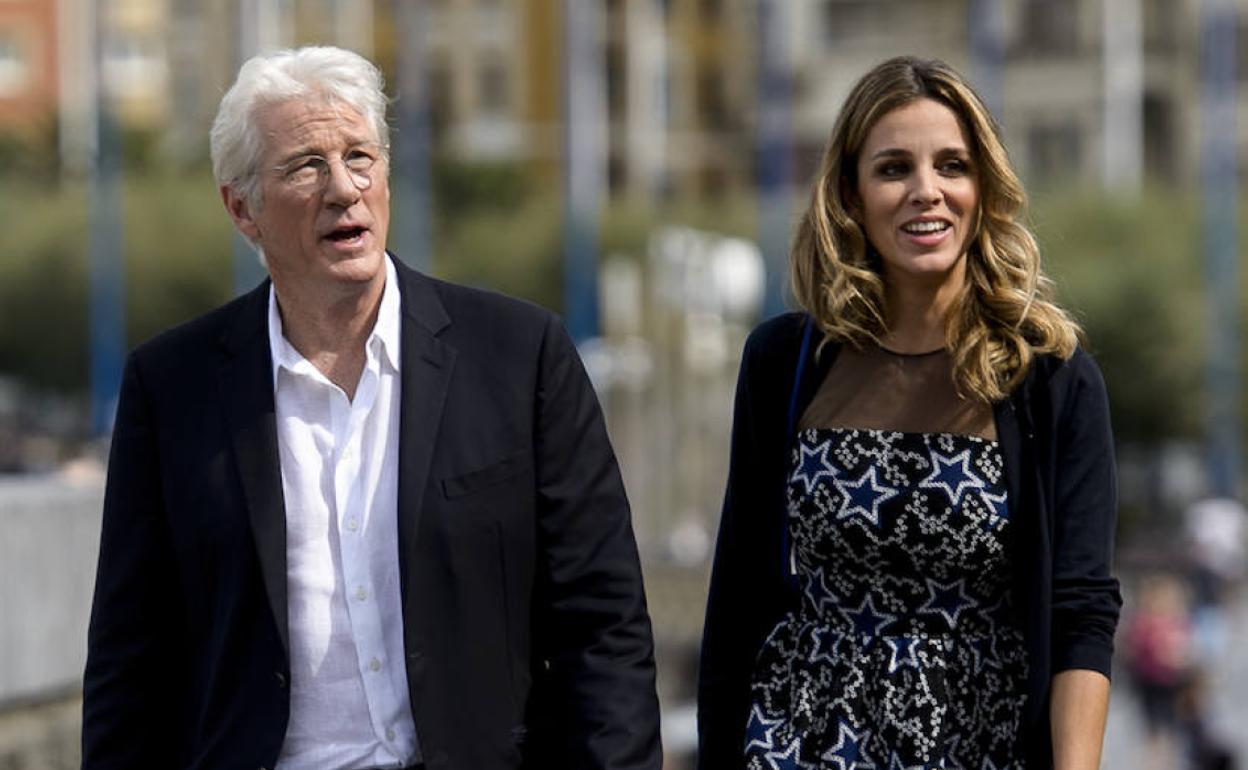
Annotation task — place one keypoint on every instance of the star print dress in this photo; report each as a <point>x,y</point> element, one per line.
<point>905,652</point>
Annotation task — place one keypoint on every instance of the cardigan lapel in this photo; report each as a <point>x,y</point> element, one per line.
<point>425,370</point>
<point>246,386</point>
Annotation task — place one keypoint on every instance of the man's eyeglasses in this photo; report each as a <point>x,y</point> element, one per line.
<point>310,173</point>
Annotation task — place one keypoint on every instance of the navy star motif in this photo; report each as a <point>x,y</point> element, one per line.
<point>866,618</point>
<point>847,753</point>
<point>812,465</point>
<point>948,599</point>
<point>825,649</point>
<point>760,730</point>
<point>988,764</point>
<point>901,652</point>
<point>951,761</point>
<point>895,764</point>
<point>786,759</point>
<point>984,649</point>
<point>817,591</point>
<point>863,497</point>
<point>952,474</point>
<point>998,509</point>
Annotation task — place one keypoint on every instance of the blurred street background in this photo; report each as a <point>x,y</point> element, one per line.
<point>638,165</point>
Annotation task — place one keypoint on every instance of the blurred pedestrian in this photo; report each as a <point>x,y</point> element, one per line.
<point>913,565</point>
<point>358,517</point>
<point>1157,651</point>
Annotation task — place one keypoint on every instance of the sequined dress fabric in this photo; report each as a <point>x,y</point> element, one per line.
<point>905,652</point>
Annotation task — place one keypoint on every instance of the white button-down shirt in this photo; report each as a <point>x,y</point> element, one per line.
<point>349,706</point>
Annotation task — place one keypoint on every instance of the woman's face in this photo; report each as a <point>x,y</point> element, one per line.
<point>918,195</point>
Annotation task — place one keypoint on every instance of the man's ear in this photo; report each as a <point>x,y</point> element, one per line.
<point>239,210</point>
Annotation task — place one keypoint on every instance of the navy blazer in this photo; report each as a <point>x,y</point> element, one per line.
<point>1055,439</point>
<point>524,621</point>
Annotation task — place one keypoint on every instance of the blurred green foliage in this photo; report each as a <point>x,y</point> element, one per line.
<point>1130,269</point>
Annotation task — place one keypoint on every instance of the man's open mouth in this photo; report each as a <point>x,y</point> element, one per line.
<point>346,233</point>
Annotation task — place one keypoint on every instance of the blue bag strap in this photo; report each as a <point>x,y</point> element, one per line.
<point>807,333</point>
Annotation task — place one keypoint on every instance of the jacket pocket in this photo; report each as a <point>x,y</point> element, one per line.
<point>467,483</point>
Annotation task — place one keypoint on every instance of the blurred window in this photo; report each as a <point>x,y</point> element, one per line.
<point>1160,24</point>
<point>1049,27</point>
<point>1054,151</point>
<point>1160,145</point>
<point>493,86</point>
<point>712,103</point>
<point>847,20</point>
<point>617,85</point>
<point>14,69</point>
<point>441,104</point>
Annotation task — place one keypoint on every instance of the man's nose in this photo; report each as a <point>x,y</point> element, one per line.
<point>340,187</point>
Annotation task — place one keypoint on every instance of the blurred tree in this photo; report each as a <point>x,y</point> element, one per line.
<point>1131,272</point>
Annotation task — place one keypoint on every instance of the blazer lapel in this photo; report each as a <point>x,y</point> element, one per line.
<point>424,375</point>
<point>246,382</point>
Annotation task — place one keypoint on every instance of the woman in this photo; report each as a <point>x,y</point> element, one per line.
<point>913,560</point>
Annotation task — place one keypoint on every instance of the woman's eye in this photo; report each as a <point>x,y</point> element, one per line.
<point>892,170</point>
<point>955,166</point>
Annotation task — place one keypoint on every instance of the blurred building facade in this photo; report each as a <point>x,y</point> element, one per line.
<point>1092,91</point>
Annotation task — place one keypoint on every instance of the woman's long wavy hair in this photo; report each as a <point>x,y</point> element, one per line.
<point>1005,314</point>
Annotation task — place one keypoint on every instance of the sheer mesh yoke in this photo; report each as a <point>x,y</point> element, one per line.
<point>876,389</point>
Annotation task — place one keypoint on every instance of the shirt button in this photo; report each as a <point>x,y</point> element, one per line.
<point>352,524</point>
<point>374,665</point>
<point>389,734</point>
<point>361,594</point>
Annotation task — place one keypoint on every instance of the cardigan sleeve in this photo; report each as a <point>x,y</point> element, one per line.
<point>1086,599</point>
<point>747,591</point>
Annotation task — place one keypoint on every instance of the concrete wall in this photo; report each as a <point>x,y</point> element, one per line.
<point>49,538</point>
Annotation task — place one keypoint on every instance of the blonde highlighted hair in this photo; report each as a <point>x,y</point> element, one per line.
<point>1005,315</point>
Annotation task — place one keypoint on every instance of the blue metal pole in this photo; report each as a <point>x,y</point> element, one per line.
<point>775,152</point>
<point>582,164</point>
<point>411,219</point>
<point>987,53</point>
<point>1220,190</point>
<point>106,266</point>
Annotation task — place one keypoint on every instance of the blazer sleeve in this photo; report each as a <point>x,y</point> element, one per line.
<point>598,704</point>
<point>130,706</point>
<point>746,591</point>
<point>1086,599</point>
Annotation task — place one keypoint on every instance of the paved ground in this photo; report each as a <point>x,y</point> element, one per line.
<point>1124,744</point>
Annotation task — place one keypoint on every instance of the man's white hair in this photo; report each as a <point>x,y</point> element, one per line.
<point>314,72</point>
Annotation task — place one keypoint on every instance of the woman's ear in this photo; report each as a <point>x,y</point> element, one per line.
<point>853,206</point>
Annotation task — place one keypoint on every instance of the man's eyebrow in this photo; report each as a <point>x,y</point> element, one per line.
<point>307,151</point>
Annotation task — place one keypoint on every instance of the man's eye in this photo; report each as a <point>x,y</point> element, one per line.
<point>360,160</point>
<point>305,169</point>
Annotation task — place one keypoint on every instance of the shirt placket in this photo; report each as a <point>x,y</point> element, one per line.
<point>354,502</point>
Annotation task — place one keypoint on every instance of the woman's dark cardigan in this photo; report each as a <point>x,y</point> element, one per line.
<point>1055,438</point>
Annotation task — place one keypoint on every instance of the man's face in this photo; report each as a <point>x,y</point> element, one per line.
<point>322,220</point>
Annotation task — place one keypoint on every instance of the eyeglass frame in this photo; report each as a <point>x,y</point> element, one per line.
<point>361,180</point>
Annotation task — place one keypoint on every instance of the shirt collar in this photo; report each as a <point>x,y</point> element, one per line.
<point>385,334</point>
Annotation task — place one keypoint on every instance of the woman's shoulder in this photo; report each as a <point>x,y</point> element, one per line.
<point>778,338</point>
<point>1063,380</point>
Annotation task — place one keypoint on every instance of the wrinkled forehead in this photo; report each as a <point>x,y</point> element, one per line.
<point>313,123</point>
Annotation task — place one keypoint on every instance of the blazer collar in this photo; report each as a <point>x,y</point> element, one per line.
<point>246,386</point>
<point>425,376</point>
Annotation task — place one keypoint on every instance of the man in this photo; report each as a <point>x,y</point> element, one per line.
<point>359,518</point>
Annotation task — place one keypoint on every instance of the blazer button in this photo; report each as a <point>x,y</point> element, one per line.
<point>281,682</point>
